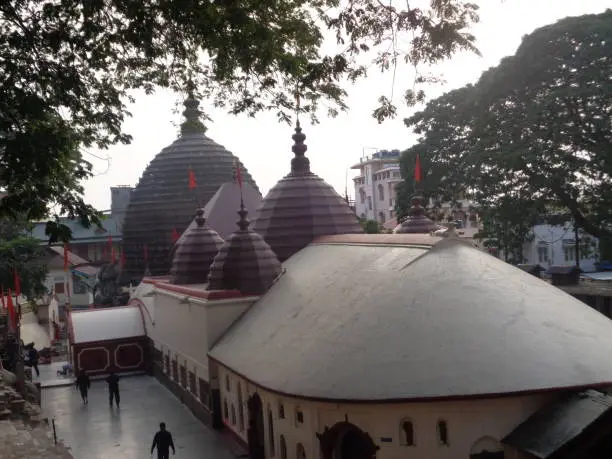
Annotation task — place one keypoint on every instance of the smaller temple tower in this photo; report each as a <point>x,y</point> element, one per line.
<point>302,207</point>
<point>245,262</point>
<point>194,252</point>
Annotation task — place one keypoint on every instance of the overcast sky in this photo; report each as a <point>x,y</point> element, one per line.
<point>264,145</point>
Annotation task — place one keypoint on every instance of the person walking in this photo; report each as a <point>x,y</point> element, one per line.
<point>163,441</point>
<point>33,356</point>
<point>83,383</point>
<point>113,388</point>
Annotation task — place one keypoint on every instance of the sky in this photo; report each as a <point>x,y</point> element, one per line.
<point>264,145</point>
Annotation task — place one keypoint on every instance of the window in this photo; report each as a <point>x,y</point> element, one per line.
<point>233,415</point>
<point>270,432</point>
<point>227,383</point>
<point>283,447</point>
<point>381,217</point>
<point>370,202</point>
<point>442,433</point>
<point>407,433</point>
<point>59,288</point>
<point>569,250</point>
<point>78,286</point>
<point>362,196</point>
<point>300,452</point>
<point>281,411</point>
<point>381,193</point>
<point>299,416</point>
<point>240,408</point>
<point>543,253</point>
<point>225,410</point>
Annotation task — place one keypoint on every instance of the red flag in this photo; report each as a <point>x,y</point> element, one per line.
<point>175,235</point>
<point>146,253</point>
<point>66,250</point>
<point>2,298</point>
<point>122,258</point>
<point>418,175</point>
<point>17,283</point>
<point>192,180</point>
<point>11,310</point>
<point>238,173</point>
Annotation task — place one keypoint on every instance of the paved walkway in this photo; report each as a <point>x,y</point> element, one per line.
<point>96,431</point>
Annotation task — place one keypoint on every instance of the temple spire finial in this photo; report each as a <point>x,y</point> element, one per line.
<point>193,123</point>
<point>200,219</point>
<point>244,222</point>
<point>300,165</point>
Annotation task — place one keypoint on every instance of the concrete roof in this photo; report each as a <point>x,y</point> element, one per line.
<point>361,321</point>
<point>107,324</point>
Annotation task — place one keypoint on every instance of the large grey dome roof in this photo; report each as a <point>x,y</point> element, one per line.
<point>162,200</point>
<point>385,317</point>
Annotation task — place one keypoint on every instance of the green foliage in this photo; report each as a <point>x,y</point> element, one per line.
<point>24,254</point>
<point>508,226</point>
<point>68,69</point>
<point>536,128</point>
<point>370,226</point>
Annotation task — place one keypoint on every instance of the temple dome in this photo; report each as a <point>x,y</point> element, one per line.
<point>417,221</point>
<point>194,252</point>
<point>163,202</point>
<point>245,262</point>
<point>302,207</point>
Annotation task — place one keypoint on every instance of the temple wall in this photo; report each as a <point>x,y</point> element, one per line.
<point>181,329</point>
<point>119,356</point>
<point>470,423</point>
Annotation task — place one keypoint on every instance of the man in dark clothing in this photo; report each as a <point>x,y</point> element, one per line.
<point>113,388</point>
<point>163,441</point>
<point>33,356</point>
<point>83,383</point>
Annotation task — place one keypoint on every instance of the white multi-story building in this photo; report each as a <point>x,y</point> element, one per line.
<point>375,196</point>
<point>556,246</point>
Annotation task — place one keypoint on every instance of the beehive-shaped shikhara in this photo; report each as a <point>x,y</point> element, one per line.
<point>302,207</point>
<point>163,202</point>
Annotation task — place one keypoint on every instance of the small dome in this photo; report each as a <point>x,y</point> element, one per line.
<point>245,262</point>
<point>165,196</point>
<point>417,221</point>
<point>302,207</point>
<point>194,252</point>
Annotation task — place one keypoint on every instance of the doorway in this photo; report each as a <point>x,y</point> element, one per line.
<point>255,432</point>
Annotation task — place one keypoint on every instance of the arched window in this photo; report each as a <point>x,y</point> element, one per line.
<point>240,408</point>
<point>225,409</point>
<point>299,416</point>
<point>362,195</point>
<point>442,432</point>
<point>233,415</point>
<point>300,451</point>
<point>281,411</point>
<point>381,217</point>
<point>283,447</point>
<point>487,448</point>
<point>227,383</point>
<point>271,432</point>
<point>407,433</point>
<point>381,192</point>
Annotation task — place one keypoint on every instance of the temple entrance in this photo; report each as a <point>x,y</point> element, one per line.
<point>255,432</point>
<point>346,441</point>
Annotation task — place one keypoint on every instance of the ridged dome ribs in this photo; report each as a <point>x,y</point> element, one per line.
<point>162,201</point>
<point>302,207</point>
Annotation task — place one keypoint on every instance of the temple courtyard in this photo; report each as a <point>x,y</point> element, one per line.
<point>97,431</point>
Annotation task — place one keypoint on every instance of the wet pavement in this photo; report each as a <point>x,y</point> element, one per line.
<point>96,431</point>
<point>32,331</point>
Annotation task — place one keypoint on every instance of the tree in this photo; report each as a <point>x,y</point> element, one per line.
<point>537,127</point>
<point>23,254</point>
<point>369,226</point>
<point>508,225</point>
<point>68,69</point>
